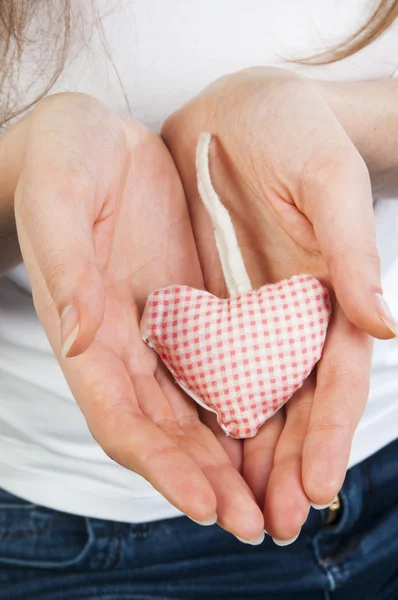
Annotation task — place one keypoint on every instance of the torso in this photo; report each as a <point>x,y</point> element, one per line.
<point>165,52</point>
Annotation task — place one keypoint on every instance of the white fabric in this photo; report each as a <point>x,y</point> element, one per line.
<point>165,51</point>
<point>231,259</point>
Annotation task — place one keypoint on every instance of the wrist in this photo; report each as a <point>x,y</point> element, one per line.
<point>368,112</point>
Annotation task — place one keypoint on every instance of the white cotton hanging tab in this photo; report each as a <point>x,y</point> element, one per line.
<point>234,270</point>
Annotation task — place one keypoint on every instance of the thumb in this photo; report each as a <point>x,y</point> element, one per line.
<point>54,224</point>
<point>340,208</point>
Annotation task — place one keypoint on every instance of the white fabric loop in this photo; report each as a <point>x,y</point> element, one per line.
<point>234,270</point>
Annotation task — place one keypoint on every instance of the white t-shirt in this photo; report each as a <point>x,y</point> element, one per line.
<point>165,51</point>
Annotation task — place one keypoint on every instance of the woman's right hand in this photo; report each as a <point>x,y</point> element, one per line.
<point>300,199</point>
<point>102,221</point>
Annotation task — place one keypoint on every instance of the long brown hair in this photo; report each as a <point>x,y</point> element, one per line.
<point>378,22</point>
<point>16,15</point>
<point>53,37</point>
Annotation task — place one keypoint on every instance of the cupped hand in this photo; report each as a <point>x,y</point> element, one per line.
<point>102,221</point>
<point>300,199</point>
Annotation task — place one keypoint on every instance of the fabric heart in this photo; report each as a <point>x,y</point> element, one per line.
<point>241,357</point>
<point>245,356</point>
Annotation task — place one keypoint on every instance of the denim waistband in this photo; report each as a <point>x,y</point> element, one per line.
<point>50,555</point>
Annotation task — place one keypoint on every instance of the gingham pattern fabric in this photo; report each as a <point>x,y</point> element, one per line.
<point>241,357</point>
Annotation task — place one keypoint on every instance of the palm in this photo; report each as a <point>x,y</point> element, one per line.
<point>143,241</point>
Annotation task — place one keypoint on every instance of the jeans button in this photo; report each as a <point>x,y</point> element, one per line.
<point>334,511</point>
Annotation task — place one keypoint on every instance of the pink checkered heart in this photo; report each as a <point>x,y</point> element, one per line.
<point>241,357</point>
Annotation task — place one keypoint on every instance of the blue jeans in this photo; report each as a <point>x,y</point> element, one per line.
<point>49,555</point>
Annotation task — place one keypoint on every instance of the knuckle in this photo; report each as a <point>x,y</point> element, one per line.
<point>156,456</point>
<point>110,418</point>
<point>107,428</point>
<point>170,427</point>
<point>184,428</point>
<point>302,403</point>
<point>191,424</point>
<point>339,429</point>
<point>345,376</point>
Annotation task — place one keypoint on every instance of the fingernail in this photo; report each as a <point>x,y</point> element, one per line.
<point>322,506</point>
<point>385,314</point>
<point>254,542</point>
<point>211,521</point>
<point>69,328</point>
<point>285,542</point>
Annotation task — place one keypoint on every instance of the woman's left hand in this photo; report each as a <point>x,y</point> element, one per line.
<point>300,198</point>
<point>101,220</point>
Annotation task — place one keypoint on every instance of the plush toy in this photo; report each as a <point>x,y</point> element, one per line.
<point>242,357</point>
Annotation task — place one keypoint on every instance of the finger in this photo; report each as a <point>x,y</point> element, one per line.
<point>258,456</point>
<point>57,210</point>
<point>340,398</point>
<point>182,425</point>
<point>233,447</point>
<point>51,217</point>
<point>286,505</point>
<point>107,399</point>
<point>339,204</point>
